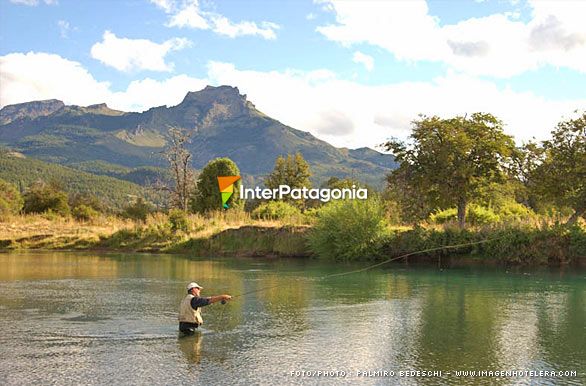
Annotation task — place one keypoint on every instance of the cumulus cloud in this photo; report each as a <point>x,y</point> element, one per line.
<point>37,76</point>
<point>136,54</point>
<point>366,60</point>
<point>189,14</point>
<point>500,45</point>
<point>165,5</point>
<point>34,76</point>
<point>342,112</point>
<point>372,114</point>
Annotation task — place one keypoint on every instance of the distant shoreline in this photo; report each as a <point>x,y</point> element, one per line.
<point>236,237</point>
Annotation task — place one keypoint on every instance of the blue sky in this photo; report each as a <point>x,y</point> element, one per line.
<point>351,72</point>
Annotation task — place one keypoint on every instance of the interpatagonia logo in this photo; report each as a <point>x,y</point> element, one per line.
<point>226,184</point>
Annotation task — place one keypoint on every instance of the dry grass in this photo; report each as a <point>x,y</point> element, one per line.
<point>111,232</point>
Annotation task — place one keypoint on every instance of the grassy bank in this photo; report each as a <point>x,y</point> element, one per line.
<point>231,233</point>
<point>237,234</point>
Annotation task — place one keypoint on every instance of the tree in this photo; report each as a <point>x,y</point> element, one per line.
<point>42,197</point>
<point>10,199</point>
<point>292,171</point>
<point>561,175</point>
<point>207,197</point>
<point>448,160</point>
<point>404,197</point>
<point>343,183</point>
<point>179,166</point>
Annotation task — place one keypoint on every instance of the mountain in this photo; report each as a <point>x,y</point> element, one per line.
<point>30,110</point>
<point>222,123</point>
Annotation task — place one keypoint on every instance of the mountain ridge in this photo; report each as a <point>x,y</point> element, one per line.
<point>221,121</point>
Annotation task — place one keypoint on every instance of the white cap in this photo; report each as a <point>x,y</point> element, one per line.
<point>193,285</point>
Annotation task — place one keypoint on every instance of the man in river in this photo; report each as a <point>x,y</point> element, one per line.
<point>190,308</point>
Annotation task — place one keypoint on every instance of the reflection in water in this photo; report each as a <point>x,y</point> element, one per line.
<point>113,318</point>
<point>190,346</point>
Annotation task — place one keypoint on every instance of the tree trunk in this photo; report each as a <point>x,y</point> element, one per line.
<point>573,218</point>
<point>462,212</point>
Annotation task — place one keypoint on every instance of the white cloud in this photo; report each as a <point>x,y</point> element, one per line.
<point>34,76</point>
<point>342,112</point>
<point>146,93</point>
<point>366,60</point>
<point>499,45</point>
<point>190,15</point>
<point>33,3</point>
<point>223,26</point>
<point>136,54</point>
<point>165,5</point>
<point>367,115</point>
<point>64,28</point>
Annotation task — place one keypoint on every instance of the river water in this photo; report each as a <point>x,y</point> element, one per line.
<point>70,319</point>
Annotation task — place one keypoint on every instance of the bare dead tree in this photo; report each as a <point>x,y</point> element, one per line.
<point>182,177</point>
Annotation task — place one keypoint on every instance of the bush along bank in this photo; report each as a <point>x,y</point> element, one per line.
<point>359,230</point>
<point>522,245</point>
<point>345,231</point>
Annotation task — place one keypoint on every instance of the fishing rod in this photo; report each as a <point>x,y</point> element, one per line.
<point>375,265</point>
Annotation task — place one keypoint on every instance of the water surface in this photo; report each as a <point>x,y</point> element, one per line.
<point>70,318</point>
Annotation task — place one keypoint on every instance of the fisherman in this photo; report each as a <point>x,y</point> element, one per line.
<point>189,309</point>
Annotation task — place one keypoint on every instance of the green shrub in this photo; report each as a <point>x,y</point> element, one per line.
<point>444,216</point>
<point>480,215</point>
<point>475,215</point>
<point>88,200</point>
<point>84,213</point>
<point>10,199</point>
<point>275,210</point>
<point>508,244</point>
<point>514,211</point>
<point>178,220</point>
<point>348,230</point>
<point>139,210</point>
<point>41,198</point>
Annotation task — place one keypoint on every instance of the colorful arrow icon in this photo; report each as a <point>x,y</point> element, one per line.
<point>226,184</point>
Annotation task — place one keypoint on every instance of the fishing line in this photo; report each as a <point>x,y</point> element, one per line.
<point>376,264</point>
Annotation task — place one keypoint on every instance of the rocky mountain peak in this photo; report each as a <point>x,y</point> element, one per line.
<point>30,110</point>
<point>210,94</point>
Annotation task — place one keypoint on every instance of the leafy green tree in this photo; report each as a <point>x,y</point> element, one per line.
<point>404,198</point>
<point>42,197</point>
<point>292,170</point>
<point>207,196</point>
<point>342,183</point>
<point>10,199</point>
<point>561,174</point>
<point>448,160</point>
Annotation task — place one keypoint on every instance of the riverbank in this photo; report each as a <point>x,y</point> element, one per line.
<point>237,234</point>
<point>230,234</point>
